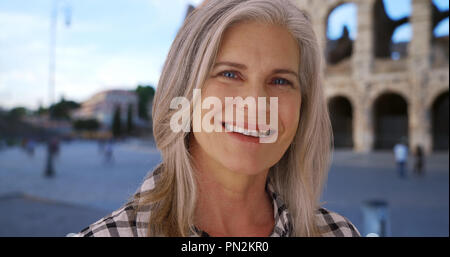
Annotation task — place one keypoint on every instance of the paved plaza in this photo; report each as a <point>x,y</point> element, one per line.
<point>86,187</point>
<point>418,206</point>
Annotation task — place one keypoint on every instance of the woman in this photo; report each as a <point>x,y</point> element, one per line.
<point>229,183</point>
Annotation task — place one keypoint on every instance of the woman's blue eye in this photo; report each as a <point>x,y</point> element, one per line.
<point>281,81</point>
<point>229,74</point>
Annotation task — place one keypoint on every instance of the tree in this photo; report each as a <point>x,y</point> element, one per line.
<point>41,111</point>
<point>17,113</point>
<point>117,123</point>
<point>145,96</point>
<point>89,124</point>
<point>62,109</point>
<point>130,119</point>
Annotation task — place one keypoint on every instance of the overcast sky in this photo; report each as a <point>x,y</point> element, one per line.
<point>109,44</point>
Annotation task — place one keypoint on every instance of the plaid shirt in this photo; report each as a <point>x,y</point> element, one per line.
<point>126,222</point>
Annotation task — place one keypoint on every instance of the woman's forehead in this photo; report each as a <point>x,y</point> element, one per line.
<point>259,42</point>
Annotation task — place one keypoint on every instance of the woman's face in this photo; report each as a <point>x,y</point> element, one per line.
<point>254,60</point>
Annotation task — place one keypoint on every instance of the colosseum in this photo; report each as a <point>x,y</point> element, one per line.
<point>376,100</point>
<point>379,92</point>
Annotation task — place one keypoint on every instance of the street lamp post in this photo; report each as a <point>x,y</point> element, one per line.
<point>52,57</point>
<point>52,144</point>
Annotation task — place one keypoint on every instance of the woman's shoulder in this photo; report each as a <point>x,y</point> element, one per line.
<point>120,223</point>
<point>333,224</point>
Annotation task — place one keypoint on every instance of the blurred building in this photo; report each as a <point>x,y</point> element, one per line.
<point>103,105</point>
<point>379,92</point>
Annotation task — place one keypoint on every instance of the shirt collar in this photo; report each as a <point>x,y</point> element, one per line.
<point>283,223</point>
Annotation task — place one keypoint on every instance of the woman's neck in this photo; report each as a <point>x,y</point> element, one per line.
<point>231,203</point>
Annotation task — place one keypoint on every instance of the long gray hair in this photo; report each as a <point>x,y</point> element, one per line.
<point>300,174</point>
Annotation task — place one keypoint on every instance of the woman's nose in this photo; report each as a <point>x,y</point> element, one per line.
<point>256,89</point>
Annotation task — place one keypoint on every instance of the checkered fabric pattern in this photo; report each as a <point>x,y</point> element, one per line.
<point>126,222</point>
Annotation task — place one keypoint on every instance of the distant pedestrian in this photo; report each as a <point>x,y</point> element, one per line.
<point>401,157</point>
<point>52,151</point>
<point>101,146</point>
<point>109,151</point>
<point>419,161</point>
<point>30,145</point>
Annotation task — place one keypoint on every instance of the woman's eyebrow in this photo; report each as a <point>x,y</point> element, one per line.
<point>244,67</point>
<point>232,64</point>
<point>286,71</point>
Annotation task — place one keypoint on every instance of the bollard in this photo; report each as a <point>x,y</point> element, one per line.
<point>376,218</point>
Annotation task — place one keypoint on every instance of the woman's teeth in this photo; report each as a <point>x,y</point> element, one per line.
<point>247,132</point>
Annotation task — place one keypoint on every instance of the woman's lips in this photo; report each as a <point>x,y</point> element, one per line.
<point>248,130</point>
<point>248,133</point>
<point>242,137</point>
<point>250,126</point>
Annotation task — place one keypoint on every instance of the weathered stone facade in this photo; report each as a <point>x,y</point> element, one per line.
<point>415,78</point>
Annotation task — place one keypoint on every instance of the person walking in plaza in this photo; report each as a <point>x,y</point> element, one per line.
<point>109,151</point>
<point>52,151</point>
<point>419,161</point>
<point>401,157</point>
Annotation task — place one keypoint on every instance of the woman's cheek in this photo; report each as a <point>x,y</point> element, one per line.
<point>289,116</point>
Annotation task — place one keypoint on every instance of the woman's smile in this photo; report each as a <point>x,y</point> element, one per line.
<point>247,133</point>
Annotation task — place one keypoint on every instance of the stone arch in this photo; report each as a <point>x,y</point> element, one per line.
<point>440,45</point>
<point>341,49</point>
<point>348,92</point>
<point>390,119</point>
<point>378,90</point>
<point>437,15</point>
<point>435,92</point>
<point>384,28</point>
<point>341,116</point>
<point>440,122</point>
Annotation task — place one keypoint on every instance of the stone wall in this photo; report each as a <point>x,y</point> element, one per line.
<point>414,78</point>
